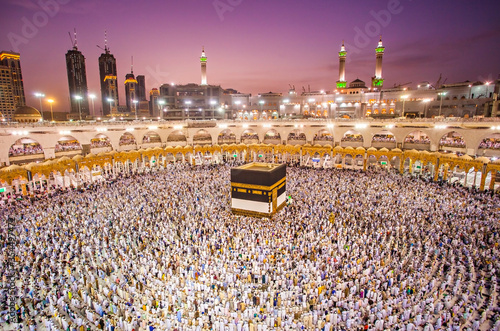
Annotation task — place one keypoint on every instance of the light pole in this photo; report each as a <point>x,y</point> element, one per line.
<point>470,90</point>
<point>441,102</point>
<point>135,108</point>
<point>404,97</point>
<point>487,89</point>
<point>40,96</point>
<point>160,107</point>
<point>187,102</point>
<point>79,98</point>
<point>92,97</point>
<point>212,104</point>
<point>50,101</point>
<point>425,101</point>
<point>110,100</point>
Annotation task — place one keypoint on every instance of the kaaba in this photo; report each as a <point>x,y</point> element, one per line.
<point>258,189</point>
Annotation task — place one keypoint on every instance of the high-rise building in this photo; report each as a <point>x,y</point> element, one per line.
<point>203,61</point>
<point>7,100</point>
<point>141,88</point>
<point>77,82</point>
<point>377,80</point>
<point>131,92</point>
<point>12,60</point>
<point>108,77</point>
<point>154,105</point>
<point>341,83</point>
<point>190,101</point>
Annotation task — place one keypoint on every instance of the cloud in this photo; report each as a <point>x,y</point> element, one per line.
<point>72,7</point>
<point>26,4</point>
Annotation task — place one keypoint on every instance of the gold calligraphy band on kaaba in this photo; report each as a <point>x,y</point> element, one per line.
<point>259,187</point>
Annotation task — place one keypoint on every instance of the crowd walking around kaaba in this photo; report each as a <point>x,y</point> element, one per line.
<point>353,250</point>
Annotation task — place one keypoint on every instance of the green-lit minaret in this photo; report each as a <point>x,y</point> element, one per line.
<point>203,61</point>
<point>378,81</point>
<point>341,83</point>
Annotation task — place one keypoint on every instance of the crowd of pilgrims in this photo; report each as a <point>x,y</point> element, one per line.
<point>410,139</point>
<point>67,145</point>
<point>352,137</point>
<point>162,251</point>
<point>493,143</point>
<point>25,149</point>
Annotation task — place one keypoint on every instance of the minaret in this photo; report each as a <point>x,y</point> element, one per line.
<point>341,83</point>
<point>203,61</point>
<point>378,81</point>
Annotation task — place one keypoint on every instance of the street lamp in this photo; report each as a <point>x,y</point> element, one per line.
<point>212,104</point>
<point>441,101</point>
<point>160,107</point>
<point>261,104</point>
<point>404,97</point>
<point>135,108</point>
<point>187,102</point>
<point>40,96</point>
<point>470,90</point>
<point>110,100</point>
<point>426,102</point>
<point>50,101</point>
<point>79,99</point>
<point>92,97</point>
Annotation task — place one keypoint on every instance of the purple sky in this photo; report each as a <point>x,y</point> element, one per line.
<point>254,45</point>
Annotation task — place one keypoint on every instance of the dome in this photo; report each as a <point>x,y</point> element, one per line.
<point>27,110</point>
<point>357,83</point>
<point>26,114</point>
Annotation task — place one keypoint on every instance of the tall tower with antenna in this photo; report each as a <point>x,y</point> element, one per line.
<point>341,83</point>
<point>109,81</point>
<point>131,89</point>
<point>77,81</point>
<point>203,61</point>
<point>377,80</point>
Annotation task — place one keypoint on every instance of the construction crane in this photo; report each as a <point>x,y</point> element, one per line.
<point>401,85</point>
<point>74,43</point>
<point>105,49</point>
<point>436,86</point>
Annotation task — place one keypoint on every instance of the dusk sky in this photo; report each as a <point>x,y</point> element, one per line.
<point>252,45</point>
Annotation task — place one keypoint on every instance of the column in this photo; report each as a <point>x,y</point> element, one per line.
<point>492,181</point>
<point>436,171</point>
<point>484,174</point>
<point>445,175</point>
